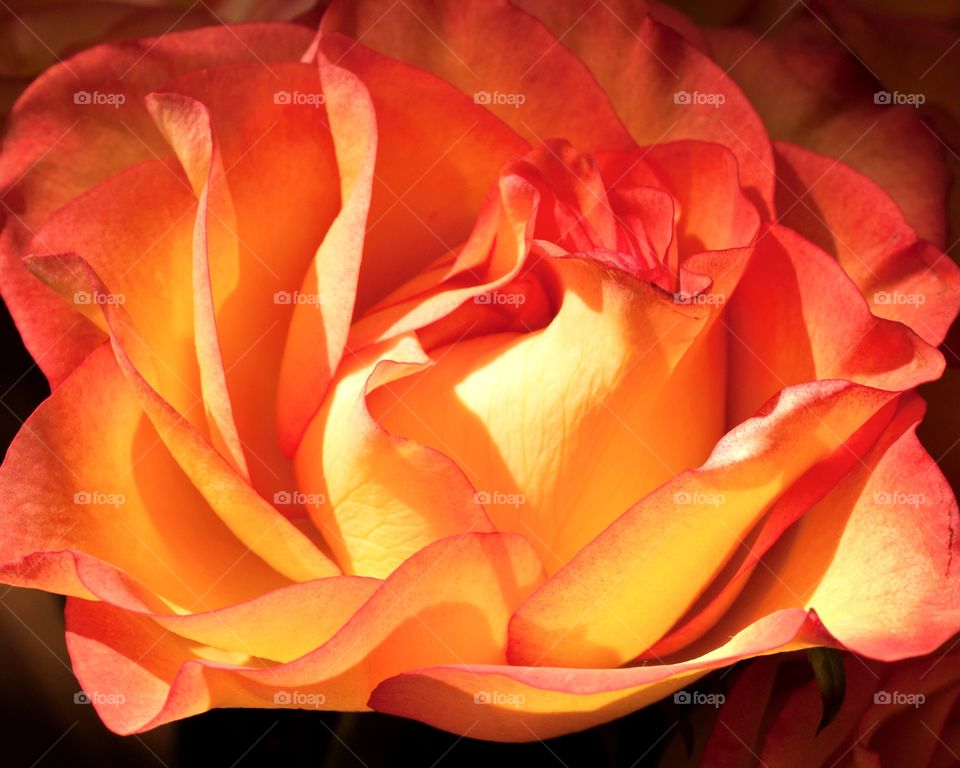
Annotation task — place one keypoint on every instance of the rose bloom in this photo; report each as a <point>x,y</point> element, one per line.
<point>483,363</point>
<point>902,714</point>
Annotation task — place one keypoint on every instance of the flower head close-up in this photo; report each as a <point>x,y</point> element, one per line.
<point>569,379</point>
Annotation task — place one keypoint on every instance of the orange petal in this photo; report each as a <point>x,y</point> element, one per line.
<point>893,515</point>
<point>450,603</point>
<point>497,54</point>
<point>458,154</point>
<point>55,335</point>
<point>55,148</point>
<point>266,532</point>
<point>714,213</point>
<point>145,261</point>
<point>505,703</point>
<point>186,125</point>
<point>318,330</point>
<point>492,255</point>
<point>648,70</point>
<point>902,277</point>
<point>95,506</point>
<point>48,126</point>
<point>380,497</point>
<point>281,625</point>
<point>628,586</point>
<point>809,490</point>
<point>831,333</point>
<point>546,424</point>
<point>261,246</point>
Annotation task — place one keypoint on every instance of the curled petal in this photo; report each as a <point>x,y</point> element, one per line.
<point>902,277</point>
<point>627,587</point>
<point>449,603</point>
<point>516,703</point>
<point>94,506</point>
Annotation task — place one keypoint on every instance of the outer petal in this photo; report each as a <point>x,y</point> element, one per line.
<point>186,124</point>
<point>816,483</point>
<point>893,515</point>
<point>525,703</point>
<point>55,148</point>
<point>449,603</point>
<point>252,520</point>
<point>93,503</point>
<point>57,337</point>
<point>145,261</point>
<point>259,246</point>
<point>912,56</point>
<point>625,589</point>
<point>48,125</point>
<point>797,317</point>
<point>486,49</point>
<point>811,93</point>
<point>646,68</point>
<point>902,277</point>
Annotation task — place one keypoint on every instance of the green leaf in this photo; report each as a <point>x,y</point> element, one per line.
<point>831,679</point>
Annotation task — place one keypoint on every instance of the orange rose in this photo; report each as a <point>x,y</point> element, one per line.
<point>894,715</point>
<point>440,366</point>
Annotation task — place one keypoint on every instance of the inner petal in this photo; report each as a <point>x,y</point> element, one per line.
<point>560,430</point>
